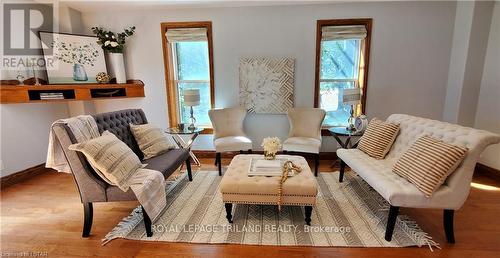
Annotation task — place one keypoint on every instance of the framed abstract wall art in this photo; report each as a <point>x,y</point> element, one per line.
<point>72,59</point>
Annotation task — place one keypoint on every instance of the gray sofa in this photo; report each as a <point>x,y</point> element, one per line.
<point>90,186</point>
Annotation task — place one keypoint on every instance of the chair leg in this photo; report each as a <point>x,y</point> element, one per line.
<point>316,164</point>
<point>88,215</point>
<point>219,165</point>
<point>229,210</point>
<point>342,169</point>
<point>391,222</point>
<point>308,212</point>
<point>215,163</point>
<point>448,225</point>
<point>188,168</point>
<point>147,223</point>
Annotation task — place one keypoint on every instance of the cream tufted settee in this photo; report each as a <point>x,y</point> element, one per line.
<point>401,193</point>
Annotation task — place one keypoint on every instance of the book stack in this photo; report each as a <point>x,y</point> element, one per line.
<point>51,95</point>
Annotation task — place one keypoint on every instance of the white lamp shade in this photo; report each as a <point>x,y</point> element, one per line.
<point>351,96</point>
<point>191,97</point>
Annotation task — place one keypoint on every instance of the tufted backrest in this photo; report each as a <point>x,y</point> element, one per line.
<point>306,122</point>
<point>227,121</point>
<point>412,128</point>
<point>117,122</point>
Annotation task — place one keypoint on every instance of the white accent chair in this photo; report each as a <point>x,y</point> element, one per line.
<point>305,132</point>
<point>401,193</point>
<point>228,132</point>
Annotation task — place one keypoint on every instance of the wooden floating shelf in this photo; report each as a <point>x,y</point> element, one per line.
<point>10,94</point>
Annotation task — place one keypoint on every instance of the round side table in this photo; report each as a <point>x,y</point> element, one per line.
<point>337,132</point>
<point>176,135</point>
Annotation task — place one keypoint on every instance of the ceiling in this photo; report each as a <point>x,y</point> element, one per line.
<point>124,5</point>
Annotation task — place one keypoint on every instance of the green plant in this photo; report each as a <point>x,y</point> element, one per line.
<point>111,41</point>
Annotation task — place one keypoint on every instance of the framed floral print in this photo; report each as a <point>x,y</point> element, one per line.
<point>72,59</point>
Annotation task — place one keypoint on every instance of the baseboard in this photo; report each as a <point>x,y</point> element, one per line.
<point>22,175</point>
<point>487,171</point>
<point>210,154</point>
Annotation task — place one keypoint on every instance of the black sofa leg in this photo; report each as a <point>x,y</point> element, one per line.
<point>218,161</point>
<point>448,225</point>
<point>391,222</point>
<point>308,212</point>
<point>147,223</point>
<point>229,210</point>
<point>316,164</point>
<point>88,215</point>
<point>188,168</point>
<point>342,169</point>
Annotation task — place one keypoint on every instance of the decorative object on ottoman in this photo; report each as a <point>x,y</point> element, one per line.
<point>114,43</point>
<point>191,99</point>
<point>351,97</point>
<point>378,138</point>
<point>271,146</point>
<point>266,84</point>
<point>288,168</point>
<point>102,77</point>
<point>238,188</point>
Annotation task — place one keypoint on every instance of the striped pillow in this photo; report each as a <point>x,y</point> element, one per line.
<point>428,162</point>
<point>151,140</point>
<point>112,157</point>
<point>378,138</point>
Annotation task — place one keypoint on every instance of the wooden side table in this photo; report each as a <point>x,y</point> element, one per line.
<point>337,132</point>
<point>176,135</point>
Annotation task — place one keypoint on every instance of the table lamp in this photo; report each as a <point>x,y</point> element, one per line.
<point>191,99</point>
<point>351,97</point>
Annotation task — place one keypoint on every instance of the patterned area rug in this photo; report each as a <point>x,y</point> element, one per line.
<point>349,214</point>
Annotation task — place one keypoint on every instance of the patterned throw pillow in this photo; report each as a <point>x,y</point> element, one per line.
<point>151,139</point>
<point>378,138</point>
<point>428,162</point>
<point>112,157</point>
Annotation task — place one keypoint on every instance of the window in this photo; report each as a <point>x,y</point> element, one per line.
<point>342,51</point>
<point>187,48</point>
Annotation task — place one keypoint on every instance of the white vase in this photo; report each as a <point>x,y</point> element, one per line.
<point>116,67</point>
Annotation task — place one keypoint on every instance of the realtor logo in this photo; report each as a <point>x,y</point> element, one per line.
<point>21,25</point>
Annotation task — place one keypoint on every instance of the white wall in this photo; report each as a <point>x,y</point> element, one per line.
<point>24,128</point>
<point>488,115</point>
<point>409,62</point>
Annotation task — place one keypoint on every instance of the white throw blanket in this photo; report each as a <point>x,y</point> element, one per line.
<point>148,185</point>
<point>84,128</point>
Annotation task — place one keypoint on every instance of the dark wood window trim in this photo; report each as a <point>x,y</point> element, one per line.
<point>168,63</point>
<point>365,55</point>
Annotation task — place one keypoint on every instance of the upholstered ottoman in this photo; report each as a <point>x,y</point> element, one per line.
<point>238,188</point>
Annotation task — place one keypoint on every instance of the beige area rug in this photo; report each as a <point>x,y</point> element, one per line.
<point>349,214</point>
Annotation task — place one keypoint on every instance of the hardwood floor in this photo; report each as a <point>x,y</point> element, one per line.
<point>44,214</point>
